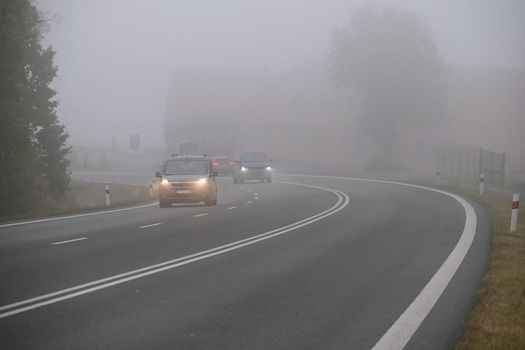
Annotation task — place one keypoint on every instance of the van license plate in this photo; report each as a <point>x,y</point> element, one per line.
<point>183,191</point>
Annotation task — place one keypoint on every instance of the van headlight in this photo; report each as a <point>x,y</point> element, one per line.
<point>202,182</point>
<point>268,168</point>
<point>243,169</point>
<point>164,182</point>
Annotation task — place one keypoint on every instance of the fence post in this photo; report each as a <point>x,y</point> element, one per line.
<point>150,186</point>
<point>481,184</point>
<point>438,180</point>
<point>108,201</point>
<point>514,212</point>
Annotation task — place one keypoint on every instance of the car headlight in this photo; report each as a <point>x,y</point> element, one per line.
<point>243,168</point>
<point>202,181</point>
<point>164,182</point>
<point>269,168</point>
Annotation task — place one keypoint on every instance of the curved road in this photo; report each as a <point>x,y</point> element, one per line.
<point>303,263</point>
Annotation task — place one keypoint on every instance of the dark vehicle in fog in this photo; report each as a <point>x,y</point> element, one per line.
<point>223,165</point>
<point>252,166</point>
<point>187,179</point>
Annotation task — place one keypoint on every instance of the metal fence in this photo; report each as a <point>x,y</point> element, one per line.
<point>492,166</point>
<point>465,164</point>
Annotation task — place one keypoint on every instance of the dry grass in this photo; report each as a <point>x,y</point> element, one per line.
<point>88,196</point>
<point>498,320</point>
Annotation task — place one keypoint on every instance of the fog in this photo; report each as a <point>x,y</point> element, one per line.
<point>119,61</point>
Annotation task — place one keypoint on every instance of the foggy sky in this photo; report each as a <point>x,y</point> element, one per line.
<point>115,57</point>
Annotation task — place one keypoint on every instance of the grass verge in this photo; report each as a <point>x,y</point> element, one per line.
<point>498,319</point>
<point>88,196</point>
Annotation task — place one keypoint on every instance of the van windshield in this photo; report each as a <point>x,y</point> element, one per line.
<point>254,157</point>
<point>186,167</point>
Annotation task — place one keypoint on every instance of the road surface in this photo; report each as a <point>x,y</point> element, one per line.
<point>301,263</point>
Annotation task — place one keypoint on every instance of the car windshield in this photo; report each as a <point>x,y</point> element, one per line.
<point>254,157</point>
<point>186,167</point>
<point>221,160</point>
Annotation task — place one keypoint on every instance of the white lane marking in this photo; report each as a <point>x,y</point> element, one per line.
<point>199,215</point>
<point>342,202</point>
<point>70,240</point>
<point>230,208</point>
<point>255,197</point>
<point>256,194</point>
<point>77,215</point>
<point>249,202</point>
<point>151,225</point>
<point>399,334</point>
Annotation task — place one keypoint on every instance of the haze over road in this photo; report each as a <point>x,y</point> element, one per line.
<point>302,263</point>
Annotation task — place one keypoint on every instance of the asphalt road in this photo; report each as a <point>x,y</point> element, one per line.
<point>301,263</point>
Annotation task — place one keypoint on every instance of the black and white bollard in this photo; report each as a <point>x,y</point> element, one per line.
<point>438,179</point>
<point>514,212</point>
<point>150,186</point>
<point>481,184</point>
<point>108,201</point>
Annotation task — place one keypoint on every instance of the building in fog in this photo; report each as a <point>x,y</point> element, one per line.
<point>295,116</point>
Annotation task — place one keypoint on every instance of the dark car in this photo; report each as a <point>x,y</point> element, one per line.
<point>252,166</point>
<point>223,165</point>
<point>187,179</point>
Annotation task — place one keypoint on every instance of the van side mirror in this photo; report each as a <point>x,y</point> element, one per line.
<point>214,173</point>
<point>157,174</point>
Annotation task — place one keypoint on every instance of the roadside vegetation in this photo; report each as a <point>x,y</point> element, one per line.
<point>87,196</point>
<point>33,167</point>
<point>498,320</point>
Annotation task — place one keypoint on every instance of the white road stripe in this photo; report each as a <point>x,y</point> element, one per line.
<point>256,194</point>
<point>256,198</point>
<point>230,208</point>
<point>399,334</point>
<point>249,202</point>
<point>69,241</point>
<point>198,215</point>
<point>342,202</point>
<point>76,215</point>
<point>151,225</point>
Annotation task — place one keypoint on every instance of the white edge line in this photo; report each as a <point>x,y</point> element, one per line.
<point>76,215</point>
<point>249,202</point>
<point>230,208</point>
<point>198,215</point>
<point>69,241</point>
<point>151,225</point>
<point>187,259</point>
<point>400,333</point>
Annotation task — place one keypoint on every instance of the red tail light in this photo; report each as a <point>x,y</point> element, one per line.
<point>215,164</point>
<point>231,162</point>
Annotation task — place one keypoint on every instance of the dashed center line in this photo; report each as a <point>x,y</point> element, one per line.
<point>198,215</point>
<point>256,194</point>
<point>256,198</point>
<point>151,225</point>
<point>69,241</point>
<point>249,202</point>
<point>230,208</point>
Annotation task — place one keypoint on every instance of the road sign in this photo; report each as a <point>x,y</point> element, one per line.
<point>134,142</point>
